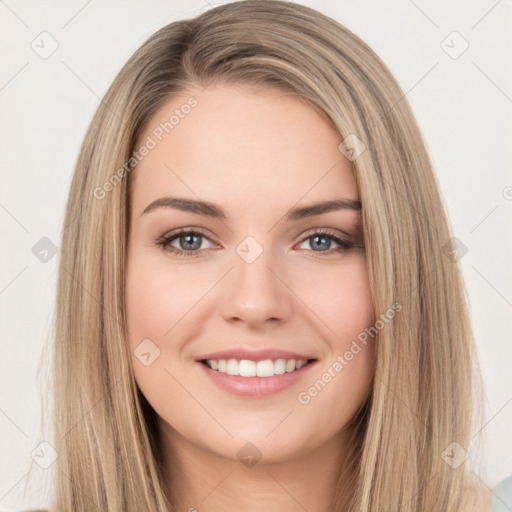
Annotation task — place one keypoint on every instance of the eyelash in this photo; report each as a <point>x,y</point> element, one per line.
<point>167,239</point>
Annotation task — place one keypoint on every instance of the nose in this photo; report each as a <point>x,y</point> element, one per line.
<point>257,293</point>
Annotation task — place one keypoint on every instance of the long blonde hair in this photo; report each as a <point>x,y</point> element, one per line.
<point>421,396</point>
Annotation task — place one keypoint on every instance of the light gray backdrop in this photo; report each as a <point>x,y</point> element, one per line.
<point>59,57</point>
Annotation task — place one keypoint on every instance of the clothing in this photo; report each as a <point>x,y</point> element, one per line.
<point>502,496</point>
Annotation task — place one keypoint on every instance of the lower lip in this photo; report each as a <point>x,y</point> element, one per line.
<point>255,386</point>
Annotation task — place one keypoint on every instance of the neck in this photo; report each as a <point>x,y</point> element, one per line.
<point>201,480</point>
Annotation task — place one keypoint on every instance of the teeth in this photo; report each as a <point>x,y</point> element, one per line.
<point>248,368</point>
<point>290,365</point>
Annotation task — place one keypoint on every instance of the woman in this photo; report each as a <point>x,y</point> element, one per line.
<point>258,304</point>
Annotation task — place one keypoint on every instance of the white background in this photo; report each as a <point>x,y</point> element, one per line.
<point>463,106</point>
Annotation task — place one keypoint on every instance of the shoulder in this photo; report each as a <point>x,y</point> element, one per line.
<point>502,496</point>
<point>482,499</point>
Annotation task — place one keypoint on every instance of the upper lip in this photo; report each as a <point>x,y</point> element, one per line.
<point>254,355</point>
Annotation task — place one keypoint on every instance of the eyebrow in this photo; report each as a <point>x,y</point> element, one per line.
<point>211,210</point>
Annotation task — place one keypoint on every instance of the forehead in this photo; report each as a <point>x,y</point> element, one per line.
<point>258,146</point>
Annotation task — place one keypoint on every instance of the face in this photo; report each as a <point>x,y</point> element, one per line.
<point>241,272</point>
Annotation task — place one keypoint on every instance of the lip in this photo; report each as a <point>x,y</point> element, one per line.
<point>255,386</point>
<point>254,355</point>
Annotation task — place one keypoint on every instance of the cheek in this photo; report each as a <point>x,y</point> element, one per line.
<point>340,297</point>
<point>157,303</point>
<point>157,298</point>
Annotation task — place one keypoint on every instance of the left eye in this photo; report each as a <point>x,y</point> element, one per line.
<point>323,241</point>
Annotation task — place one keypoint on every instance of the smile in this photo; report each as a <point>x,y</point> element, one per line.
<point>248,378</point>
<point>249,368</point>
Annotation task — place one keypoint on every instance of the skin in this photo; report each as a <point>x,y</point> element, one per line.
<point>256,153</point>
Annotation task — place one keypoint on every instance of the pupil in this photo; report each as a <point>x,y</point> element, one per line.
<point>325,245</point>
<point>189,239</point>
